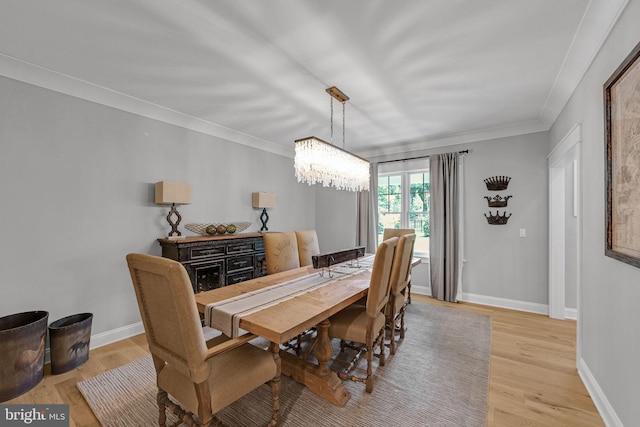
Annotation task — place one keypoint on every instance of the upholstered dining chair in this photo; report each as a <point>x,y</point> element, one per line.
<point>388,233</point>
<point>281,251</point>
<point>397,232</point>
<point>307,246</point>
<point>365,324</point>
<point>400,272</point>
<point>202,376</point>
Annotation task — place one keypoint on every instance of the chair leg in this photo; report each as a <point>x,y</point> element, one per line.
<point>162,399</point>
<point>383,356</point>
<point>180,412</point>
<point>369,380</point>
<point>184,416</point>
<point>392,334</point>
<point>369,351</point>
<point>345,374</point>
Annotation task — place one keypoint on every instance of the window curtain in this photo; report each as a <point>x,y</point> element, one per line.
<point>444,217</point>
<point>461,222</point>
<point>367,222</point>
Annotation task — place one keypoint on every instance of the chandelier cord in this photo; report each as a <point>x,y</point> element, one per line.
<point>331,140</point>
<point>343,126</point>
<point>343,123</point>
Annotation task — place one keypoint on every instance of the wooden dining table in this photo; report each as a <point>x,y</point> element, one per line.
<point>287,319</point>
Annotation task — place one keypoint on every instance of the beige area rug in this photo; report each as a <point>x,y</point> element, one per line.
<point>438,377</point>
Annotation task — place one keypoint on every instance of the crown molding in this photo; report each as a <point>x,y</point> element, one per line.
<point>595,26</point>
<point>457,139</point>
<point>597,22</point>
<point>22,71</point>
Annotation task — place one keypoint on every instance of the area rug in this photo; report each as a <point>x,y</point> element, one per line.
<point>438,377</point>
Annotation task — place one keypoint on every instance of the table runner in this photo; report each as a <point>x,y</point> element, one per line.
<point>225,315</point>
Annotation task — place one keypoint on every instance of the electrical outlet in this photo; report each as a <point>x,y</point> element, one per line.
<point>523,232</point>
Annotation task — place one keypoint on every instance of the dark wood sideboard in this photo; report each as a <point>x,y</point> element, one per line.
<point>217,261</point>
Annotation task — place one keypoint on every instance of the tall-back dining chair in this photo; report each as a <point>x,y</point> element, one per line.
<point>388,233</point>
<point>397,232</point>
<point>202,376</point>
<point>398,283</point>
<point>307,246</point>
<point>365,324</point>
<point>281,251</point>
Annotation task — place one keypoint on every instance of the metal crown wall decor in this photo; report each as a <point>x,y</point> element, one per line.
<point>497,201</point>
<point>497,183</point>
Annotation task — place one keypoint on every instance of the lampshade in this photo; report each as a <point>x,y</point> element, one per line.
<point>263,200</point>
<point>317,161</point>
<point>168,193</point>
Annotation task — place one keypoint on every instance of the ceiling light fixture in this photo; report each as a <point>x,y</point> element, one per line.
<point>317,161</point>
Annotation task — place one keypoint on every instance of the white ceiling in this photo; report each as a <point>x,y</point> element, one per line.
<point>419,73</point>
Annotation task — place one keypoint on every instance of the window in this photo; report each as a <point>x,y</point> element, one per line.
<point>403,200</point>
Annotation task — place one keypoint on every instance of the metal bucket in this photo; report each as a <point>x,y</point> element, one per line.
<point>23,339</point>
<point>69,340</point>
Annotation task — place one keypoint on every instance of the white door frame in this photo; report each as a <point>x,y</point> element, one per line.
<point>557,241</point>
<point>558,160</point>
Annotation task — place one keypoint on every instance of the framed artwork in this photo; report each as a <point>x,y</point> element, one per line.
<point>622,178</point>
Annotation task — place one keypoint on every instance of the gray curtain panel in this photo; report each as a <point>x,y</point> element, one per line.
<point>368,213</point>
<point>444,221</point>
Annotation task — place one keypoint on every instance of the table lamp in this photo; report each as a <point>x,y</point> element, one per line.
<point>264,201</point>
<point>173,193</point>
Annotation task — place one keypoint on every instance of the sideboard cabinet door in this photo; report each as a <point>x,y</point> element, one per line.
<point>216,261</point>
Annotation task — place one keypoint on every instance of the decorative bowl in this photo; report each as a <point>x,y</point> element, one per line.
<point>201,228</point>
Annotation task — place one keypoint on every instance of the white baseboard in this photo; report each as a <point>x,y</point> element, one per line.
<point>530,307</point>
<point>570,313</point>
<point>421,290</point>
<point>491,301</point>
<point>108,337</point>
<point>605,409</point>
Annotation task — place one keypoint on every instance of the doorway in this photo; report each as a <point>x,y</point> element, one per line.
<point>565,228</point>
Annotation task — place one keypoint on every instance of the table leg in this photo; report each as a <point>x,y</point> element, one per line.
<point>318,378</point>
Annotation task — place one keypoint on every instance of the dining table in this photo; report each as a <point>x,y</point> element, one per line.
<point>287,318</point>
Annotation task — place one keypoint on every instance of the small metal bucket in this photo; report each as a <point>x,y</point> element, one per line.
<point>23,338</point>
<point>69,339</point>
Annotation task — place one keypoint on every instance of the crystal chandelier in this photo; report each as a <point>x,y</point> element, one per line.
<point>317,161</point>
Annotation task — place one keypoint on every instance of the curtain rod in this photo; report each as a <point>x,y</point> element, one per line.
<point>419,157</point>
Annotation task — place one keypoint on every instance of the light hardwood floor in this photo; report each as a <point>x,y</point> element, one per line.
<point>533,380</point>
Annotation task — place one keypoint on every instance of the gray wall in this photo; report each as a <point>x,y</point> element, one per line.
<point>502,268</point>
<point>610,289</point>
<point>76,183</point>
<point>500,264</point>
